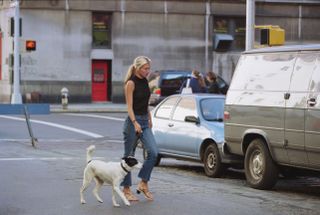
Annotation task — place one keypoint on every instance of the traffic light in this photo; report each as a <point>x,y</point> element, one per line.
<point>271,35</point>
<point>31,45</point>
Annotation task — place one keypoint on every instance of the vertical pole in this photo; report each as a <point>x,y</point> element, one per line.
<point>207,36</point>
<point>16,96</point>
<point>250,22</point>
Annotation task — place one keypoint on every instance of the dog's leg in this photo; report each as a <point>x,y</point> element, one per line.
<point>87,177</point>
<point>99,184</point>
<point>116,188</point>
<point>114,200</point>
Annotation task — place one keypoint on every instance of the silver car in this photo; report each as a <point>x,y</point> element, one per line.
<point>190,127</point>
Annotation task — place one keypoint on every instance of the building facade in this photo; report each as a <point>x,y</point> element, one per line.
<point>88,45</point>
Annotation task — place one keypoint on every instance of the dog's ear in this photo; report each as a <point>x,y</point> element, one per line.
<point>131,161</point>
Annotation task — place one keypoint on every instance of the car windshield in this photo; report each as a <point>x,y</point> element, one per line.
<point>212,109</point>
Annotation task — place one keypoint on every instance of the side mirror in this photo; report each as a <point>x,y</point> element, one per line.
<point>192,119</point>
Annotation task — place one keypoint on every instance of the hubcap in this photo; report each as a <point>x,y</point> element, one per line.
<point>211,161</point>
<point>256,165</point>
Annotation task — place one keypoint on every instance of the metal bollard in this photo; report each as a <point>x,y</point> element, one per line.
<point>64,98</point>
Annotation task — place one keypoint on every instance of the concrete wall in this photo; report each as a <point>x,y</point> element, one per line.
<point>170,43</point>
<point>171,33</point>
<point>63,53</point>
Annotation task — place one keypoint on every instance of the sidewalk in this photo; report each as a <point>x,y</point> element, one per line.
<point>89,107</point>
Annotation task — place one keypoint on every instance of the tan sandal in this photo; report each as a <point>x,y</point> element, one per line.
<point>147,194</point>
<point>129,195</point>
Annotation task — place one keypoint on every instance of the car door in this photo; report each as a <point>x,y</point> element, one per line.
<point>161,120</point>
<point>296,104</point>
<point>183,136</point>
<point>312,123</point>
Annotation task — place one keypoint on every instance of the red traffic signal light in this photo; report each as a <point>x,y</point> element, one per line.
<point>31,45</point>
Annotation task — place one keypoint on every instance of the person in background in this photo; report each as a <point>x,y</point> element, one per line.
<point>211,82</point>
<point>197,82</point>
<point>138,125</point>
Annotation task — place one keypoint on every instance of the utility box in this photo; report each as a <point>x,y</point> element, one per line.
<point>222,42</point>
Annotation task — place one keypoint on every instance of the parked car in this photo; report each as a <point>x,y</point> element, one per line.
<point>164,83</point>
<point>272,112</point>
<point>190,127</point>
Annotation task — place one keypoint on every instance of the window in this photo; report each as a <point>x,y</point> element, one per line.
<point>266,72</point>
<point>315,83</point>
<point>186,107</point>
<point>305,65</point>
<point>212,109</point>
<point>101,30</point>
<point>235,26</point>
<point>165,109</point>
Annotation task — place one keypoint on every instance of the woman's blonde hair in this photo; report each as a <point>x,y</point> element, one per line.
<point>137,64</point>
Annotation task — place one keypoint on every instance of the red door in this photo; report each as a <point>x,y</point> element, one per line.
<point>99,80</point>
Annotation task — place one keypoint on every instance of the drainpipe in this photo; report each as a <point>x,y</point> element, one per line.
<point>67,5</point>
<point>207,36</point>
<point>16,97</point>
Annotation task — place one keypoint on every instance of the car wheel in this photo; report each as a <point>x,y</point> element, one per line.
<point>260,170</point>
<point>212,161</point>
<point>145,155</point>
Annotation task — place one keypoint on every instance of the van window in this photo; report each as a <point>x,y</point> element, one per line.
<point>303,70</point>
<point>315,82</point>
<point>266,71</point>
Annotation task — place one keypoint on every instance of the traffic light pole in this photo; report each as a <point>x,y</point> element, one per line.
<point>16,97</point>
<point>250,17</point>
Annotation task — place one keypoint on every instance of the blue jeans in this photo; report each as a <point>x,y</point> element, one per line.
<point>149,144</point>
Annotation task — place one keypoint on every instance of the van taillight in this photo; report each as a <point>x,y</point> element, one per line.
<point>226,115</point>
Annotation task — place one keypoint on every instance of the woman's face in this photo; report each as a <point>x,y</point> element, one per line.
<point>144,71</point>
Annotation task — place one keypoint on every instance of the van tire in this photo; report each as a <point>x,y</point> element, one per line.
<point>212,161</point>
<point>260,170</point>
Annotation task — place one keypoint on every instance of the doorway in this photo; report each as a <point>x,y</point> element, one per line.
<point>101,80</point>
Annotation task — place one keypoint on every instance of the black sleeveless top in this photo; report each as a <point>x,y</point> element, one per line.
<point>141,95</point>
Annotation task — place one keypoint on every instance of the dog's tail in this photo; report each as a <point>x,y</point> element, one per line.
<point>90,150</point>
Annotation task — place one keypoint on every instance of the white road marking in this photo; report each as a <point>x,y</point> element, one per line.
<point>46,158</point>
<point>56,140</point>
<point>87,133</point>
<point>96,116</point>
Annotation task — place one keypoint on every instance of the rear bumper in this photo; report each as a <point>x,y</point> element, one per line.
<point>227,157</point>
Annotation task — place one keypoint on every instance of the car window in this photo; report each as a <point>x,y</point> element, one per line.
<point>186,107</point>
<point>212,109</point>
<point>165,108</point>
<point>173,79</point>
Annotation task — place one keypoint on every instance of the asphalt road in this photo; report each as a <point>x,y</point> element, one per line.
<point>46,180</point>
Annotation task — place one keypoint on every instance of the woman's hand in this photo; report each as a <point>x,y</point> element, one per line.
<point>137,127</point>
<point>150,123</point>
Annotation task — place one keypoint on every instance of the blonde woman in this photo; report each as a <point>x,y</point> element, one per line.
<point>138,125</point>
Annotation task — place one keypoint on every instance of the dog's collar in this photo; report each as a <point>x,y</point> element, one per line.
<point>124,168</point>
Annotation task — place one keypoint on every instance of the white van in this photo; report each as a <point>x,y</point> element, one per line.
<point>272,111</point>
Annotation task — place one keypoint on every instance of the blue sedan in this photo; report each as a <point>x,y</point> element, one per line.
<point>190,127</point>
